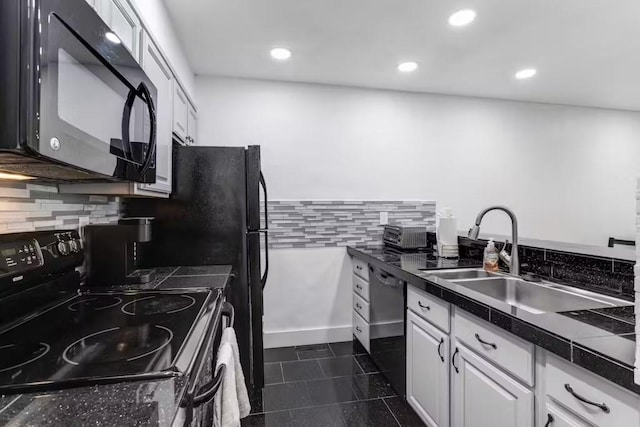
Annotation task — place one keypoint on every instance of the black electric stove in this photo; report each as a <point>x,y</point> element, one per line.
<point>53,335</point>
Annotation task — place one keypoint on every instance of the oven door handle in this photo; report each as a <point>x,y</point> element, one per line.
<point>207,391</point>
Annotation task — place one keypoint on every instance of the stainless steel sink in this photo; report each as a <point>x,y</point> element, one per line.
<point>541,297</point>
<point>462,273</point>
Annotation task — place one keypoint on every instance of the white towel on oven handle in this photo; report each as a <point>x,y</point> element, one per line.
<point>244,406</point>
<point>232,400</point>
<point>227,412</point>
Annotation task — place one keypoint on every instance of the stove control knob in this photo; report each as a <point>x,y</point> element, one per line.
<point>73,245</point>
<point>63,248</point>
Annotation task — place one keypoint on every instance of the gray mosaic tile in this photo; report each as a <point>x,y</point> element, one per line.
<point>326,223</point>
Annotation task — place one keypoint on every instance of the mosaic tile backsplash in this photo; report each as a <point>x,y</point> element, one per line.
<point>35,207</point>
<point>325,223</point>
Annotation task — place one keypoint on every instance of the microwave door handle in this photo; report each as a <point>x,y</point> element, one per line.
<point>126,120</point>
<point>146,95</point>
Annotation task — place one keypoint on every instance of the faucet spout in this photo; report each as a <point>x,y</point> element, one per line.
<point>514,264</point>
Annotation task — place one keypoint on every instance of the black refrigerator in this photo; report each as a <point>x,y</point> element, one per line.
<point>215,216</point>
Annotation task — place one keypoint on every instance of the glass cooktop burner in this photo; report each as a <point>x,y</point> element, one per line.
<point>158,304</point>
<point>94,337</point>
<point>118,344</point>
<point>95,303</point>
<point>13,356</point>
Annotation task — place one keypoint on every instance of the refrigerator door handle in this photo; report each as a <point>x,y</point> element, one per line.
<point>266,213</point>
<point>266,258</point>
<point>265,231</point>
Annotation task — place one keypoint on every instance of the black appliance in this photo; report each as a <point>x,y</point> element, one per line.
<point>387,320</point>
<point>54,335</point>
<point>75,104</point>
<point>114,250</point>
<point>214,216</point>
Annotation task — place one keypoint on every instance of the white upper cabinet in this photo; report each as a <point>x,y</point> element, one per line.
<point>180,113</point>
<point>121,18</point>
<point>484,396</point>
<point>192,126</point>
<point>160,74</point>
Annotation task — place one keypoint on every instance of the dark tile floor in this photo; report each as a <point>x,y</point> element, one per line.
<point>334,384</point>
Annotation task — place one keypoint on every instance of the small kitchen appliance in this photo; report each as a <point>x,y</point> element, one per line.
<point>114,251</point>
<point>405,237</point>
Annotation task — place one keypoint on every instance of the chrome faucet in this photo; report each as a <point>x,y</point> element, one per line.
<point>511,260</point>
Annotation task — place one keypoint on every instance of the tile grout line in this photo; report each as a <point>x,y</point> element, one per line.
<point>392,413</point>
<point>324,405</point>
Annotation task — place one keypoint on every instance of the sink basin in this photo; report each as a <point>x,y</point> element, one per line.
<point>461,273</point>
<point>538,297</point>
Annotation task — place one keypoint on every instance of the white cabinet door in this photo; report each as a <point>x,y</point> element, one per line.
<point>556,416</point>
<point>180,113</point>
<point>427,371</point>
<point>123,21</point>
<point>158,71</point>
<point>484,396</point>
<point>192,126</point>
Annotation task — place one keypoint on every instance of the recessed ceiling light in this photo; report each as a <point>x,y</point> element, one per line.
<point>407,67</point>
<point>14,176</point>
<point>527,73</point>
<point>112,38</point>
<point>280,53</point>
<point>462,18</point>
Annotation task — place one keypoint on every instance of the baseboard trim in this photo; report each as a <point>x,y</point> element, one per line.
<point>273,339</point>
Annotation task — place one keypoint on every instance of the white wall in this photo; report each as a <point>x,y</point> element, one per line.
<point>307,299</point>
<point>155,15</point>
<point>569,173</point>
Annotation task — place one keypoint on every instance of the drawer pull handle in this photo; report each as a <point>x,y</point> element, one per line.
<point>439,347</point>
<point>490,344</point>
<point>550,420</point>
<point>453,360</point>
<point>359,306</point>
<point>358,329</point>
<point>425,307</point>
<point>358,267</point>
<point>602,406</point>
<point>359,287</point>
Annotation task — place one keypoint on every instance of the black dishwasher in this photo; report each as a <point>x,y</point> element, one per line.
<point>387,296</point>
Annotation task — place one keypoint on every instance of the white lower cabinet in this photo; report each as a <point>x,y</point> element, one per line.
<point>556,416</point>
<point>427,371</point>
<point>484,396</point>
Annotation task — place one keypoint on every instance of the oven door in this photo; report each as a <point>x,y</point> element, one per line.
<point>96,104</point>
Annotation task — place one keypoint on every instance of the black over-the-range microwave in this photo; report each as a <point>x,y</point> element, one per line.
<point>74,102</point>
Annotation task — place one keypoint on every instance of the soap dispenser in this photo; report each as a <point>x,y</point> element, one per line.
<point>491,257</point>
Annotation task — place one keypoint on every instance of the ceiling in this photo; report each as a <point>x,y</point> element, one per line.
<point>587,52</point>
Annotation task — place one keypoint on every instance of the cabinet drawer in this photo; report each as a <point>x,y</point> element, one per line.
<point>360,268</point>
<point>502,348</point>
<point>361,330</point>
<point>622,406</point>
<point>361,287</point>
<point>361,306</point>
<point>429,308</point>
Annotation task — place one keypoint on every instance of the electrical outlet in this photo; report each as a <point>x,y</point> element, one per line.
<point>384,218</point>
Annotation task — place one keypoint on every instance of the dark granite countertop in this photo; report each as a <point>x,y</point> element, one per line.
<point>181,277</point>
<point>140,403</point>
<point>600,340</point>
